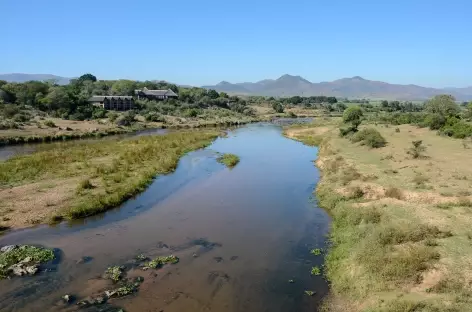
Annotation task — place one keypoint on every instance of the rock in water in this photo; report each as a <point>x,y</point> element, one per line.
<point>8,248</point>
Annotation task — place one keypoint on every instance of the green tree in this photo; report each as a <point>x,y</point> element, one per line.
<point>57,98</point>
<point>278,107</point>
<point>353,115</point>
<point>213,94</point>
<point>87,77</point>
<point>123,87</point>
<point>444,105</point>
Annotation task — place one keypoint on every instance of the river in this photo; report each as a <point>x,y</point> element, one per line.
<point>243,236</point>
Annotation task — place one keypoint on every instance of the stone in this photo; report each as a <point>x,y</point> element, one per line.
<point>67,298</point>
<point>8,248</point>
<point>32,269</point>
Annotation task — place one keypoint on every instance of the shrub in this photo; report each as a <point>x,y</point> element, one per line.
<point>353,115</point>
<point>394,192</point>
<point>127,119</point>
<point>99,113</point>
<point>417,150</point>
<point>369,137</point>
<point>397,130</point>
<point>21,117</point>
<point>434,121</point>
<point>85,185</point>
<point>419,179</point>
<point>154,116</point>
<point>292,115</point>
<point>49,123</point>
<point>112,116</point>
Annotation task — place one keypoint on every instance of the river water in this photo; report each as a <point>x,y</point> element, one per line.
<point>241,236</point>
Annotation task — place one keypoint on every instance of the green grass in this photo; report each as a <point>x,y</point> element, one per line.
<point>229,160</point>
<point>380,248</point>
<point>110,171</point>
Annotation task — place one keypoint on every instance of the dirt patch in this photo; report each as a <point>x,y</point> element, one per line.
<point>21,209</point>
<point>293,133</point>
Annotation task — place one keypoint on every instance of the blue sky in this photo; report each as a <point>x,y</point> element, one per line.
<point>203,42</point>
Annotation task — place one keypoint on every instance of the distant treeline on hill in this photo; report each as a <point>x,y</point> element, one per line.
<point>71,101</point>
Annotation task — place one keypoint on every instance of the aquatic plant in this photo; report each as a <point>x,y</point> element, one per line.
<point>309,292</point>
<point>316,251</point>
<point>160,261</point>
<point>229,160</point>
<point>115,273</point>
<point>315,270</point>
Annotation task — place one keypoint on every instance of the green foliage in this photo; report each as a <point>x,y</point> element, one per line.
<point>50,123</point>
<point>126,119</point>
<point>160,261</point>
<point>230,160</point>
<point>315,270</point>
<point>99,113</point>
<point>278,107</point>
<point>115,273</point>
<point>370,137</point>
<point>84,185</point>
<point>417,150</point>
<point>316,251</point>
<point>434,121</point>
<point>443,105</point>
<point>353,115</point>
<point>154,116</point>
<point>112,116</point>
<point>19,253</point>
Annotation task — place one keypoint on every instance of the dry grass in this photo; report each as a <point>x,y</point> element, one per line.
<point>413,223</point>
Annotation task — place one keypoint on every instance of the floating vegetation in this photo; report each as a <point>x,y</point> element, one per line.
<point>316,251</point>
<point>315,270</point>
<point>115,273</point>
<point>160,261</point>
<point>309,292</point>
<point>141,257</point>
<point>22,259</point>
<point>291,281</point>
<point>229,160</point>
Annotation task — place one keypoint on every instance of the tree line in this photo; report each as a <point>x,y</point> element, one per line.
<point>71,101</point>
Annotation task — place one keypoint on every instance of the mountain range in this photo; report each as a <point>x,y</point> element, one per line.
<point>288,85</point>
<point>355,87</point>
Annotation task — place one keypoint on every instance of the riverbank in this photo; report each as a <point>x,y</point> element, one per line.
<point>66,130</point>
<point>80,179</point>
<point>400,238</point>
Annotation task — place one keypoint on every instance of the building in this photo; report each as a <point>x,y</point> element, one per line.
<point>113,102</point>
<point>157,95</point>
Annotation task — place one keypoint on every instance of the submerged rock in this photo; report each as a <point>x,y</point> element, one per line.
<point>22,260</point>
<point>8,248</point>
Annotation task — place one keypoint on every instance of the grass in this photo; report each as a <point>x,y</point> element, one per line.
<point>91,177</point>
<point>229,160</point>
<point>387,255</point>
<point>160,261</point>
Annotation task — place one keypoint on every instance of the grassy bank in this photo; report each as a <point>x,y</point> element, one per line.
<point>401,238</point>
<point>84,178</point>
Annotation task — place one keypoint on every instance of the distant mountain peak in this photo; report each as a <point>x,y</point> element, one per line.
<point>223,83</point>
<point>288,77</point>
<point>358,78</point>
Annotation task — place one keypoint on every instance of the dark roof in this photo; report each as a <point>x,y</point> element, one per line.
<point>100,98</point>
<point>167,92</point>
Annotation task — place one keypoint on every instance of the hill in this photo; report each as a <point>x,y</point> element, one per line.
<point>355,87</point>
<point>19,77</point>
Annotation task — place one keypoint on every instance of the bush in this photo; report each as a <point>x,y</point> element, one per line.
<point>369,137</point>
<point>353,115</point>
<point>394,192</point>
<point>49,123</point>
<point>127,119</point>
<point>21,117</point>
<point>154,116</point>
<point>99,113</point>
<point>112,116</point>
<point>458,130</point>
<point>434,121</point>
<point>417,150</point>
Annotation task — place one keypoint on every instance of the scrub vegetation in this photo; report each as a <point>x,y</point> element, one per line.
<point>401,214</point>
<point>79,179</point>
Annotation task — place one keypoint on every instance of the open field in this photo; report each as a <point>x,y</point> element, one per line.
<point>401,236</point>
<point>79,179</point>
